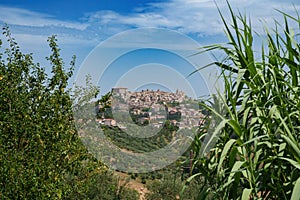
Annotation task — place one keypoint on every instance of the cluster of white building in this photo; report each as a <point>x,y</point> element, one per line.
<point>155,107</point>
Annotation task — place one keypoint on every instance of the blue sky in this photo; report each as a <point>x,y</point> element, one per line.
<point>82,25</point>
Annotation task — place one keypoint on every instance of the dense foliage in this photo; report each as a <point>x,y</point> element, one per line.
<point>128,142</point>
<point>41,156</point>
<point>256,121</point>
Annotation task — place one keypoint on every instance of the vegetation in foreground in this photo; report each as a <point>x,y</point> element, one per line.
<point>256,120</point>
<point>41,155</point>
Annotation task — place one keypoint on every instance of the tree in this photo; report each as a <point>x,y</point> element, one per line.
<point>41,155</point>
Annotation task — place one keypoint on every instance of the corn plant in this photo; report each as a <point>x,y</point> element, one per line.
<point>257,154</point>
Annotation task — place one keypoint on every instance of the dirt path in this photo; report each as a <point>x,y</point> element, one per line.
<point>133,184</point>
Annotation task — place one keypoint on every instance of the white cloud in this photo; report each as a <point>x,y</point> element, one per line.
<point>197,17</point>
<point>23,17</point>
<point>31,30</point>
<point>194,16</point>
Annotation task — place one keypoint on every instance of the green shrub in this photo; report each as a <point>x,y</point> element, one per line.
<point>170,187</point>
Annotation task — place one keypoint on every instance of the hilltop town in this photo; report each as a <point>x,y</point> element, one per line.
<point>150,107</point>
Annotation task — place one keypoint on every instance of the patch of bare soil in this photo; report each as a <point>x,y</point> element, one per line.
<point>133,184</point>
